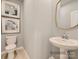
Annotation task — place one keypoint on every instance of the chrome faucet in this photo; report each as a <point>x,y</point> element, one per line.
<point>65,36</point>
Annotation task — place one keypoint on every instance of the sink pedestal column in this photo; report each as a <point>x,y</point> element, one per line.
<point>63,54</point>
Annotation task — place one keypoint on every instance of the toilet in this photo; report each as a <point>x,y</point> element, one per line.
<point>11,52</point>
<point>10,46</point>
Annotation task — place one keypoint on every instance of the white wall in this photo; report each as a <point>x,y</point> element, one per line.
<point>37,27</point>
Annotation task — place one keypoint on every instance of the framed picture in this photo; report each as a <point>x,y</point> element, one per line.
<point>10,25</point>
<point>10,9</point>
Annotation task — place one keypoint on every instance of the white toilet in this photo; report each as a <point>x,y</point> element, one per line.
<point>10,41</point>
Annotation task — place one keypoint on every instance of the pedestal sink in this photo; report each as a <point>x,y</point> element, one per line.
<point>64,45</point>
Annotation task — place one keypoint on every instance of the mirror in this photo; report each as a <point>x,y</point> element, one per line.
<point>67,14</point>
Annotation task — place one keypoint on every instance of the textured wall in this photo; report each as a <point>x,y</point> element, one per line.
<point>37,28</point>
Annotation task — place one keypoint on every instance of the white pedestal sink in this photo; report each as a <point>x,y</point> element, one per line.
<point>64,45</point>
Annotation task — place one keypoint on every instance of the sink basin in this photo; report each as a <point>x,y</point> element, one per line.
<point>60,42</point>
<point>65,45</point>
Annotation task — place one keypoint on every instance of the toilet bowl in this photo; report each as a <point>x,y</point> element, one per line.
<point>10,41</point>
<point>11,52</point>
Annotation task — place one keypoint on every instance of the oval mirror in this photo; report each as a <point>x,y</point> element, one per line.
<point>67,14</point>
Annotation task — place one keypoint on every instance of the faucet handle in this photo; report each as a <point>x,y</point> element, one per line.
<point>65,36</point>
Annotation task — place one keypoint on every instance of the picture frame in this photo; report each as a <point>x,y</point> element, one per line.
<point>10,25</point>
<point>10,9</point>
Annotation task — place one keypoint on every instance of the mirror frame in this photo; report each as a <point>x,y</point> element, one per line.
<point>56,18</point>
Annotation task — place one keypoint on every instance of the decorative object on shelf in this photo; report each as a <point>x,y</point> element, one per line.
<point>10,25</point>
<point>10,9</point>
